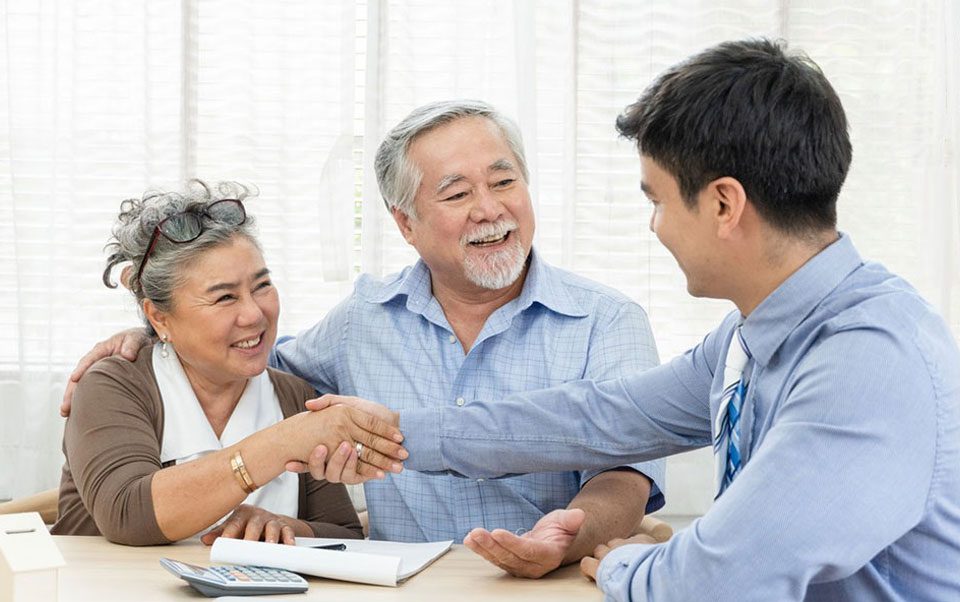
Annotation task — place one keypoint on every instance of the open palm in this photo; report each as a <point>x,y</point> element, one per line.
<point>536,552</point>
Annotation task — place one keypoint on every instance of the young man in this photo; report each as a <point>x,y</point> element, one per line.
<point>831,396</point>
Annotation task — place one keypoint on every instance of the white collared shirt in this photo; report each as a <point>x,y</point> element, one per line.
<point>187,434</point>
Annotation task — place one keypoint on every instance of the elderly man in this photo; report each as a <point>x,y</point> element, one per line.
<point>480,316</point>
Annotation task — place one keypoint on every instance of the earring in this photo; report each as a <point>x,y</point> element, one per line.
<point>163,348</point>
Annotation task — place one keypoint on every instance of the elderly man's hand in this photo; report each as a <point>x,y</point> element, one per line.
<point>343,466</point>
<point>590,564</point>
<point>536,552</point>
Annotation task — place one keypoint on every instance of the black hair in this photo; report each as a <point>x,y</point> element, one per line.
<point>749,111</point>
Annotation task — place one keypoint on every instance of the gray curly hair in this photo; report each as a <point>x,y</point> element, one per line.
<point>399,178</point>
<point>168,261</point>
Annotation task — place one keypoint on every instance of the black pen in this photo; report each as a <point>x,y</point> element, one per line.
<point>339,547</point>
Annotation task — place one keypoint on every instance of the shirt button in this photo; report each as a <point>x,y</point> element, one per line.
<point>460,401</point>
<point>453,339</point>
<point>479,480</point>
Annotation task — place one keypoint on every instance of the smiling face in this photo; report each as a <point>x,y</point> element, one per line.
<point>474,220</point>
<point>686,232</point>
<point>224,317</point>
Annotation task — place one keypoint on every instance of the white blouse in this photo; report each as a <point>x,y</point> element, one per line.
<point>187,434</point>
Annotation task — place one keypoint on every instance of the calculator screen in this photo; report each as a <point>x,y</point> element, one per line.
<point>190,568</point>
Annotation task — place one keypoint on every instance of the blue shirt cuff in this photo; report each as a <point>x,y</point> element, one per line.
<point>616,570</point>
<point>421,431</point>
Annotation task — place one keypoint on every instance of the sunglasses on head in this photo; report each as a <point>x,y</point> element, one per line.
<point>187,226</point>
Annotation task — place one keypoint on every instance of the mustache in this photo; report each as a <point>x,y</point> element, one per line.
<point>495,229</point>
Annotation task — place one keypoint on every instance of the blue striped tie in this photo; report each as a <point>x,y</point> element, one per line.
<point>726,440</point>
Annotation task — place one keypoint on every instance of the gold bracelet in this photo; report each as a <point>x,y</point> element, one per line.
<point>240,471</point>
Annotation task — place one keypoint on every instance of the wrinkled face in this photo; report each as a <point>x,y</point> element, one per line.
<point>686,232</point>
<point>224,318</point>
<point>474,220</point>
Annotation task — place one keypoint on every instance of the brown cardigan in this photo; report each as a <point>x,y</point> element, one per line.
<point>112,445</point>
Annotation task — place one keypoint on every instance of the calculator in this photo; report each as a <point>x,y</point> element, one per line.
<point>236,580</point>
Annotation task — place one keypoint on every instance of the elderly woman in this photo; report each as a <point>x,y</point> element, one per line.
<point>162,448</point>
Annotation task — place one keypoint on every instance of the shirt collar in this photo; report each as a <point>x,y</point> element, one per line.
<point>543,285</point>
<point>769,325</point>
<point>412,283</point>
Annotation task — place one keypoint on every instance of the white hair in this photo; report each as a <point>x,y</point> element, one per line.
<point>399,178</point>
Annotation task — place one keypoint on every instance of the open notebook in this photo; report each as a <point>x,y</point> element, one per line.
<point>364,561</point>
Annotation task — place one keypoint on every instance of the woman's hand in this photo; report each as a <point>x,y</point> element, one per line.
<point>257,524</point>
<point>342,466</point>
<point>380,451</point>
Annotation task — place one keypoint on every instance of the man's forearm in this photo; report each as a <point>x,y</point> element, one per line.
<point>615,502</point>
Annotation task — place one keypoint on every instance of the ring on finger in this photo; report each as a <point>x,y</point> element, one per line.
<point>359,447</point>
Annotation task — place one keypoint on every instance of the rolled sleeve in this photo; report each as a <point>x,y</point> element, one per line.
<point>656,471</point>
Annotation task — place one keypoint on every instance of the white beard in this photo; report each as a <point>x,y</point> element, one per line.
<point>497,270</point>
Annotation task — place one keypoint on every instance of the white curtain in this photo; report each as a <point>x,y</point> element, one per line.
<point>102,101</point>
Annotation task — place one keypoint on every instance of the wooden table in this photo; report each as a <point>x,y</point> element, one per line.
<point>98,571</point>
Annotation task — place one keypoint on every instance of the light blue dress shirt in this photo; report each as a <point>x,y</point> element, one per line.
<point>390,342</point>
<point>850,487</point>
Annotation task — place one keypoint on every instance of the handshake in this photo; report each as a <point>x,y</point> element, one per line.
<point>358,440</point>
